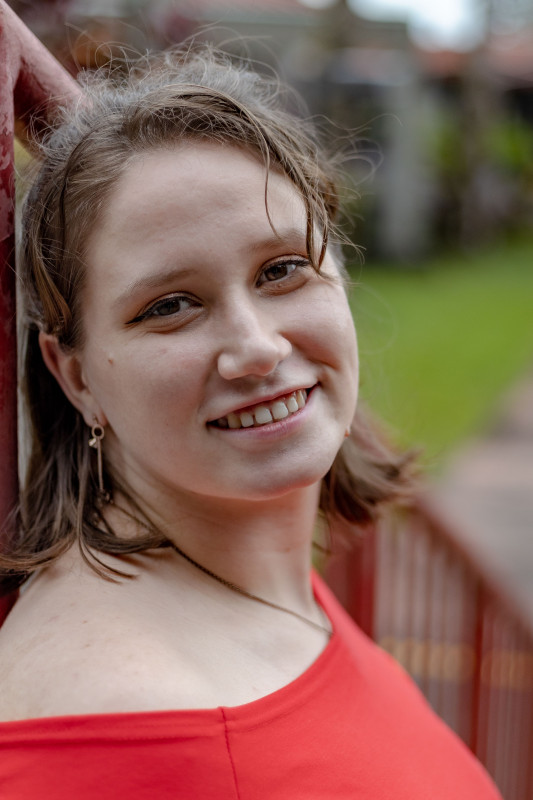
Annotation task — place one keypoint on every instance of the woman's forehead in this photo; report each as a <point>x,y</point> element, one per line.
<point>193,205</point>
<point>206,160</point>
<point>201,184</point>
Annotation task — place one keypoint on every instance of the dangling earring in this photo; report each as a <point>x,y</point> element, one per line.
<point>347,433</point>
<point>97,434</point>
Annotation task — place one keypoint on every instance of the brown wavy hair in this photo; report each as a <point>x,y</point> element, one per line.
<point>195,93</point>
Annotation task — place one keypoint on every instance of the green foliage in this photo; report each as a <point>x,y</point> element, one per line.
<point>506,143</point>
<point>509,144</point>
<point>445,146</point>
<point>440,344</point>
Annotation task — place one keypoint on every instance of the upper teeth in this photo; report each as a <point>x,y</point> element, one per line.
<point>265,412</point>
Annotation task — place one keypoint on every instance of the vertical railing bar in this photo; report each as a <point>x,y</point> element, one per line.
<point>466,652</point>
<point>409,547</point>
<point>495,728</point>
<point>443,628</point>
<point>393,586</point>
<point>518,723</point>
<point>479,633</point>
<point>520,751</point>
<point>432,627</point>
<point>8,346</point>
<point>366,584</point>
<point>504,755</point>
<point>528,771</point>
<point>421,583</point>
<point>487,706</point>
<point>524,715</point>
<point>529,777</point>
<point>428,628</point>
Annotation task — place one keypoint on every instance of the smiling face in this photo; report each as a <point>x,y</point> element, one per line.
<point>223,365</point>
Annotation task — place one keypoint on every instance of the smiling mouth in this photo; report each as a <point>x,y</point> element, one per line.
<point>263,413</point>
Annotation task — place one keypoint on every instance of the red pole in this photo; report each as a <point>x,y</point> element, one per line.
<point>32,83</point>
<point>8,365</point>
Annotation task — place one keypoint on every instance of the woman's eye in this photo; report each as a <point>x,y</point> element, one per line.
<point>167,307</point>
<point>281,270</point>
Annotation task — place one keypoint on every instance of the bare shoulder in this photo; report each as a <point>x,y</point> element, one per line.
<point>75,643</point>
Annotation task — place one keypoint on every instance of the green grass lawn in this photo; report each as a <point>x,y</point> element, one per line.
<point>441,343</point>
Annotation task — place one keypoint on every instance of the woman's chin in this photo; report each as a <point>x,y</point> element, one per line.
<point>281,482</point>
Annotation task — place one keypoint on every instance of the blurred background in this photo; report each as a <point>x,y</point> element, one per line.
<point>433,104</point>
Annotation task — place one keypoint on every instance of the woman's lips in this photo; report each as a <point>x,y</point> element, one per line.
<point>263,413</point>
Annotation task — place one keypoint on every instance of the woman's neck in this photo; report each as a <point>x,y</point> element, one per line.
<point>261,546</point>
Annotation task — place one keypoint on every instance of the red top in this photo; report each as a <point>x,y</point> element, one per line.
<point>352,726</point>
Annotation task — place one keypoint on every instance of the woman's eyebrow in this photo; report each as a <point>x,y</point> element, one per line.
<point>289,237</point>
<point>153,280</point>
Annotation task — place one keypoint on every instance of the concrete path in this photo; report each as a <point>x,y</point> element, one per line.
<point>486,493</point>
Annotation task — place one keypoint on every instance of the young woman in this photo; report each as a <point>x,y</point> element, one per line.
<point>191,377</point>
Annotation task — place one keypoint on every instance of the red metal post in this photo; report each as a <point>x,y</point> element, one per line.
<point>32,83</point>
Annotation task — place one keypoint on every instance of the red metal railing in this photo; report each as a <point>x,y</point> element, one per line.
<point>427,602</point>
<point>410,586</point>
<point>31,81</point>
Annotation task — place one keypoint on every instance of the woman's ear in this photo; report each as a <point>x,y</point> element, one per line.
<point>66,368</point>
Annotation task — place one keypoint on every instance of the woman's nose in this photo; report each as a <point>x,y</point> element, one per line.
<point>251,345</point>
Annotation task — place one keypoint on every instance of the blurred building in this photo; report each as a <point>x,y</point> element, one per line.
<point>442,143</point>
